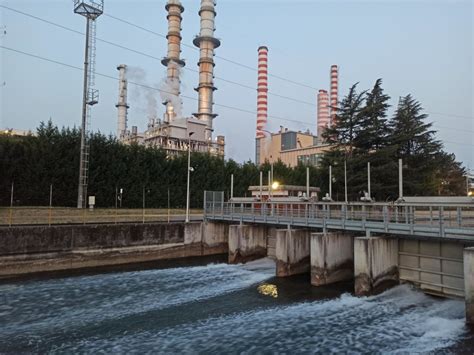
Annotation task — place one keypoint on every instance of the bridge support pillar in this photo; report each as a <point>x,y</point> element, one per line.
<point>375,264</point>
<point>469,283</point>
<point>215,238</point>
<point>247,243</point>
<point>332,258</point>
<point>292,252</point>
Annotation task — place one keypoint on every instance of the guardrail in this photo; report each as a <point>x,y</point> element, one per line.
<point>436,220</point>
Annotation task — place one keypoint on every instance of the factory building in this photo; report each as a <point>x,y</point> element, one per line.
<point>174,133</point>
<point>289,146</point>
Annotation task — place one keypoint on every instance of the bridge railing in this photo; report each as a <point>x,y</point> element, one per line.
<point>435,215</point>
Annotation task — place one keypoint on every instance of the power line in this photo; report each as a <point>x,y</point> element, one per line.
<point>146,86</point>
<point>160,90</point>
<point>149,55</point>
<point>217,56</point>
<point>196,71</point>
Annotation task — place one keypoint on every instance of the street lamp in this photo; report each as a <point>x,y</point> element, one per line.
<point>189,176</point>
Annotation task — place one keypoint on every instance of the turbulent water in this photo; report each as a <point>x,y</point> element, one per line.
<point>218,309</point>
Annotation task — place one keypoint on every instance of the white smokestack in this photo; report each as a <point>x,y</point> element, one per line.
<point>122,105</point>
<point>171,86</point>
<point>206,43</point>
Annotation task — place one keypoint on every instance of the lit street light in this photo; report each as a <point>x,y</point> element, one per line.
<point>189,176</point>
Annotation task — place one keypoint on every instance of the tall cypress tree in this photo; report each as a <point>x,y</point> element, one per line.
<point>409,133</point>
<point>347,125</point>
<point>373,123</point>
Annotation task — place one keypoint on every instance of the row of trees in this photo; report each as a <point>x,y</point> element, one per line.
<point>33,163</point>
<point>363,133</point>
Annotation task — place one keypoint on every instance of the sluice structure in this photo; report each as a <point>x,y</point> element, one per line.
<point>175,133</point>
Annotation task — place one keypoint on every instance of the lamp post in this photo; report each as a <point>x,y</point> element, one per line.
<point>189,176</point>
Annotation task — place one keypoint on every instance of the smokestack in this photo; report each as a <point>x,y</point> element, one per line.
<point>323,111</point>
<point>122,105</point>
<point>334,98</point>
<point>262,90</point>
<point>172,61</point>
<point>206,43</point>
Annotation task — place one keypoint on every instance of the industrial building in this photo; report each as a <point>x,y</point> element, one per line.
<point>289,146</point>
<point>174,133</point>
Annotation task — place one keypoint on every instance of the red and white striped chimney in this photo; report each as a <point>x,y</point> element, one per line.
<point>262,90</point>
<point>334,98</point>
<point>323,111</point>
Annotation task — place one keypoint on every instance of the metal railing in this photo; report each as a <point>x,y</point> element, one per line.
<point>436,220</point>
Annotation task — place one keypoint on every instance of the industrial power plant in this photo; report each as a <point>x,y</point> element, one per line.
<point>289,146</point>
<point>175,133</point>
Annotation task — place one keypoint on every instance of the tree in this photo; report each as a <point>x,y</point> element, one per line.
<point>373,127</point>
<point>409,133</point>
<point>347,124</point>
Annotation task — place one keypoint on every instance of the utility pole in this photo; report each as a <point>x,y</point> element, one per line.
<point>189,176</point>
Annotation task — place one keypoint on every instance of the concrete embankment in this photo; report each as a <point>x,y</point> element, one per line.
<point>32,249</point>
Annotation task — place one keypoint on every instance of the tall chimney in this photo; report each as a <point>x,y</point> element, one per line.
<point>172,61</point>
<point>323,111</point>
<point>262,90</point>
<point>122,105</point>
<point>334,98</point>
<point>206,43</point>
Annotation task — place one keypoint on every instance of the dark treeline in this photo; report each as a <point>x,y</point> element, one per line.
<point>33,163</point>
<point>362,134</point>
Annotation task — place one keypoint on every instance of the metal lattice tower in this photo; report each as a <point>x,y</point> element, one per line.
<point>90,9</point>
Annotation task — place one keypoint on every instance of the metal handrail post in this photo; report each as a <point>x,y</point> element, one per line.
<point>441,221</point>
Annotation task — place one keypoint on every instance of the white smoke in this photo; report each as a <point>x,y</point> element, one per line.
<point>143,91</point>
<point>169,89</point>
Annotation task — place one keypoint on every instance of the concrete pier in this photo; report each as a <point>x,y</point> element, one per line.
<point>247,243</point>
<point>214,238</point>
<point>375,264</point>
<point>469,283</point>
<point>332,258</point>
<point>292,252</point>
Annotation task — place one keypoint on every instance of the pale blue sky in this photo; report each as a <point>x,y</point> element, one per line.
<point>420,47</point>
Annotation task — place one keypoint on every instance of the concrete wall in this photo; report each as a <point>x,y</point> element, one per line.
<point>469,284</point>
<point>29,240</point>
<point>215,238</point>
<point>375,264</point>
<point>247,242</point>
<point>292,252</point>
<point>332,258</point>
<point>37,249</point>
<point>271,242</point>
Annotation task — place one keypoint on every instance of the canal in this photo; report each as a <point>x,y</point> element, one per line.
<point>219,308</point>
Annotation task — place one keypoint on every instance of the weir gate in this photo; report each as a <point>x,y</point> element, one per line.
<point>427,244</point>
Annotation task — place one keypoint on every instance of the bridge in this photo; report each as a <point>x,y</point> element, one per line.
<point>430,245</point>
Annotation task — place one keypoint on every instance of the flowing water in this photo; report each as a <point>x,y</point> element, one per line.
<point>218,309</point>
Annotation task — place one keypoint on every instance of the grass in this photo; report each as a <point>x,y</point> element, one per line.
<point>65,215</point>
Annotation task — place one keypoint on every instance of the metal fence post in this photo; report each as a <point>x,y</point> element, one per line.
<point>10,218</point>
<point>50,203</point>
<point>441,222</point>
<point>459,216</point>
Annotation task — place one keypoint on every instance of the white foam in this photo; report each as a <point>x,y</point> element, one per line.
<point>399,321</point>
<point>90,299</point>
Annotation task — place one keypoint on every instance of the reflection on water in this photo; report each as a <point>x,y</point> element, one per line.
<point>220,308</point>
<point>268,290</point>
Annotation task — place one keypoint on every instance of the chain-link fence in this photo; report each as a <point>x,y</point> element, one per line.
<point>53,215</point>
